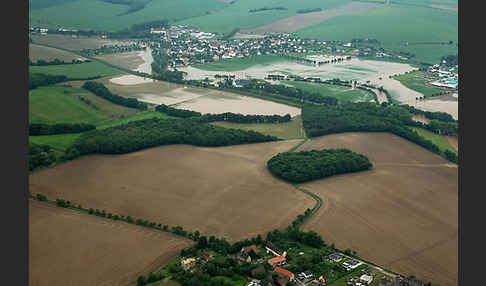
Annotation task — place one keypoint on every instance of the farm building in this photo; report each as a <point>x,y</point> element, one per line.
<point>287,275</point>
<point>274,250</point>
<point>366,279</point>
<point>279,260</point>
<point>188,263</point>
<point>351,264</point>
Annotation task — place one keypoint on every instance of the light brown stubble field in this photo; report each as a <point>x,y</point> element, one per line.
<point>80,249</point>
<point>401,215</point>
<point>223,191</point>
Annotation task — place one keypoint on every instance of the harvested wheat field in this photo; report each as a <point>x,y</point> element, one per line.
<point>402,214</point>
<point>80,249</point>
<point>37,52</point>
<point>222,191</point>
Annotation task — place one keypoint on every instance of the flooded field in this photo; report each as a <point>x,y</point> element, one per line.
<point>447,103</point>
<point>140,61</point>
<point>376,72</point>
<point>197,99</point>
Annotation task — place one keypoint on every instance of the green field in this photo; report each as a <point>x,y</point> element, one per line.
<point>237,15</point>
<point>393,26</point>
<point>288,130</point>
<point>77,71</point>
<point>237,64</point>
<point>57,104</point>
<point>339,92</point>
<point>416,81</point>
<point>100,15</point>
<point>59,142</point>
<point>438,140</point>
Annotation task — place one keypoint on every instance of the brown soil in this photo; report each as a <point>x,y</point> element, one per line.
<point>402,214</point>
<point>225,191</point>
<point>453,141</point>
<point>300,21</point>
<point>79,249</point>
<point>420,118</point>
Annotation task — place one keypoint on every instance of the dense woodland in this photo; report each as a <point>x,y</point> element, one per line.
<point>36,129</point>
<point>321,120</point>
<point>241,118</point>
<point>100,90</point>
<point>142,134</point>
<point>40,156</point>
<point>39,79</point>
<point>299,167</point>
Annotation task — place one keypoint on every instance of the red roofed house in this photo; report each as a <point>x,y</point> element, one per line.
<point>285,273</point>
<point>248,248</point>
<point>279,260</point>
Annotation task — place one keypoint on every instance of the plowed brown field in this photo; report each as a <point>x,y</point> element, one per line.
<point>67,247</point>
<point>224,191</point>
<point>402,214</point>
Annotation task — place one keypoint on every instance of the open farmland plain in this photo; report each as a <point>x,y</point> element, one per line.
<point>224,191</point>
<point>38,52</point>
<point>79,249</point>
<point>77,71</point>
<point>74,44</point>
<point>402,214</point>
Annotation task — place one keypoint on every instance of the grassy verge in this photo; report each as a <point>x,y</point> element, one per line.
<point>438,140</point>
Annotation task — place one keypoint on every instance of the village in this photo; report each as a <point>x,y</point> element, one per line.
<point>271,265</point>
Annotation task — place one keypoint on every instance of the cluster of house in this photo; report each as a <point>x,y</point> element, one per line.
<point>42,31</point>
<point>187,48</point>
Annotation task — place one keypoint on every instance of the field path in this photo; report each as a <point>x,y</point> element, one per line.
<point>300,21</point>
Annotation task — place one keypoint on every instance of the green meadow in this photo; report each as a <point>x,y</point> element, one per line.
<point>100,15</point>
<point>287,130</point>
<point>416,81</point>
<point>339,92</point>
<point>438,140</point>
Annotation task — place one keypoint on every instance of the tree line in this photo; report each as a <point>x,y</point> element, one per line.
<point>266,9</point>
<point>437,115</point>
<point>39,79</point>
<point>56,61</point>
<point>299,167</point>
<point>100,90</point>
<point>137,135</point>
<point>36,129</point>
<point>308,10</point>
<point>321,120</point>
<point>227,116</point>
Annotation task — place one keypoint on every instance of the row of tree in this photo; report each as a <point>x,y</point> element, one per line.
<point>142,134</point>
<point>100,90</point>
<point>183,113</point>
<point>242,118</point>
<point>299,167</point>
<point>54,62</point>
<point>36,129</point>
<point>437,115</point>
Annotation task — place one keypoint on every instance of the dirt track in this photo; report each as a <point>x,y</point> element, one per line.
<point>225,191</point>
<point>300,21</point>
<point>401,215</point>
<point>72,248</point>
